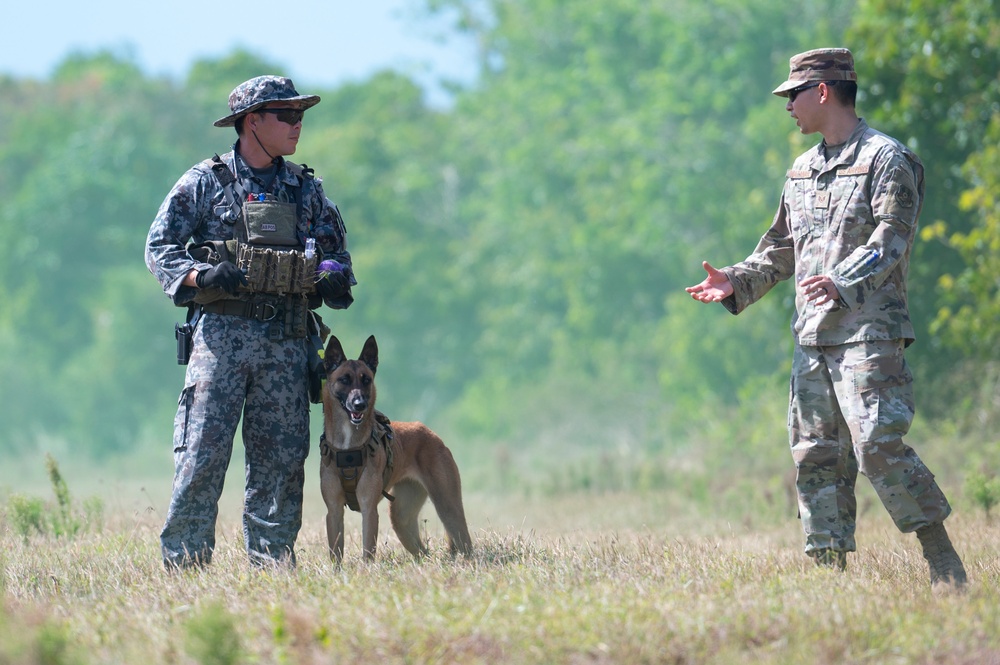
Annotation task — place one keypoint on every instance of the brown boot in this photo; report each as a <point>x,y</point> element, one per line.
<point>827,558</point>
<point>945,565</point>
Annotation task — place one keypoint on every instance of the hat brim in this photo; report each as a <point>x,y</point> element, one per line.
<point>811,76</point>
<point>303,102</point>
<point>786,87</point>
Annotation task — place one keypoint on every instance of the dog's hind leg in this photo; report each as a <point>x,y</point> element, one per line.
<point>445,489</point>
<point>453,517</point>
<point>404,511</point>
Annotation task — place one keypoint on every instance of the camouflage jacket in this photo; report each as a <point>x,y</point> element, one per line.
<point>853,218</point>
<point>192,213</point>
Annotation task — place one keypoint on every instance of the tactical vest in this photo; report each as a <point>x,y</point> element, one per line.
<point>280,271</point>
<point>269,251</point>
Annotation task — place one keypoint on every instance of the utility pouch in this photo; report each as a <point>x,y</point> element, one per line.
<point>214,252</point>
<point>270,223</point>
<point>277,270</point>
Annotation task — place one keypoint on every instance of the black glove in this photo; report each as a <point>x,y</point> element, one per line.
<point>225,276</point>
<point>334,285</point>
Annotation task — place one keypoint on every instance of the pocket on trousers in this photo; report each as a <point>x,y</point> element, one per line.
<point>879,373</point>
<point>183,418</point>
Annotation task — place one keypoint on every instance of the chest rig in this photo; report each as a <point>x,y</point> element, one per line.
<point>268,249</point>
<point>280,270</point>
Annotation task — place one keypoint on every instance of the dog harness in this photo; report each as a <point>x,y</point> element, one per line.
<point>352,460</point>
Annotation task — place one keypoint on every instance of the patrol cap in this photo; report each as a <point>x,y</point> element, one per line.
<point>251,95</point>
<point>822,64</point>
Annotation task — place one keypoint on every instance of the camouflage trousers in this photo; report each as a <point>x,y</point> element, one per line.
<point>849,409</point>
<point>236,371</point>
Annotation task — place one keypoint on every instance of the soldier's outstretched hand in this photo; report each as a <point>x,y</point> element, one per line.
<point>715,287</point>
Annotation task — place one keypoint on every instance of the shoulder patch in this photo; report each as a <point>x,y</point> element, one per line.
<point>904,196</point>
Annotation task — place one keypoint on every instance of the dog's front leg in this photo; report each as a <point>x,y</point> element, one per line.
<point>333,497</point>
<point>369,528</point>
<point>335,532</point>
<point>369,493</point>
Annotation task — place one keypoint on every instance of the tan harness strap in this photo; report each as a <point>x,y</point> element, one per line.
<point>382,435</point>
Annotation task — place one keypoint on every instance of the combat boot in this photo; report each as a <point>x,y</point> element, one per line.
<point>827,558</point>
<point>945,565</point>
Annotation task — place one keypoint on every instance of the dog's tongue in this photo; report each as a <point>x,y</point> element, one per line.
<point>356,416</point>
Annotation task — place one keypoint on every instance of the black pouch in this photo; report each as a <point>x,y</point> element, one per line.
<point>317,334</point>
<point>184,334</point>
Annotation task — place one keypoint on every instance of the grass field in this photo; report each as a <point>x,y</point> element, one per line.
<point>571,577</point>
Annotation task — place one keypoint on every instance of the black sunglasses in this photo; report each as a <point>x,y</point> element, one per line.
<point>288,116</point>
<point>792,94</point>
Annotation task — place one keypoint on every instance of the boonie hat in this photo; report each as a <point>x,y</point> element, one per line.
<point>251,95</point>
<point>822,64</point>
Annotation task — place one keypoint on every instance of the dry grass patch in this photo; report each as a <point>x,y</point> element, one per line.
<point>543,587</point>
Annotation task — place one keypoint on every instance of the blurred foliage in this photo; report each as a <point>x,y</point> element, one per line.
<point>929,71</point>
<point>983,491</point>
<point>211,637</point>
<point>522,253</point>
<point>32,516</point>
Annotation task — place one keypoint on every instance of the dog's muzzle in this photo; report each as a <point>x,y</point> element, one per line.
<point>355,405</point>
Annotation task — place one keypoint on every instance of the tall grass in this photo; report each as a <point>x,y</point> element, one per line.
<point>584,554</point>
<point>600,579</point>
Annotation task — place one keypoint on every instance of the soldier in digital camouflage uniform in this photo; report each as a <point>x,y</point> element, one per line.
<point>249,352</point>
<point>844,229</point>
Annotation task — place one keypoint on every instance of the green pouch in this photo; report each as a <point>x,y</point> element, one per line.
<point>270,223</point>
<point>214,252</point>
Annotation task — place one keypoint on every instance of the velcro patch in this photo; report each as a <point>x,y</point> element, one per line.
<point>904,196</point>
<point>854,170</point>
<point>793,174</point>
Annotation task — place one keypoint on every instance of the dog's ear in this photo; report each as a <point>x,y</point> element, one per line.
<point>369,354</point>
<point>334,355</point>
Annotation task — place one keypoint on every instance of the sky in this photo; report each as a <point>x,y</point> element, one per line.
<point>319,42</point>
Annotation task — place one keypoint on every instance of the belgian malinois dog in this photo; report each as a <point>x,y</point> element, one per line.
<point>366,457</point>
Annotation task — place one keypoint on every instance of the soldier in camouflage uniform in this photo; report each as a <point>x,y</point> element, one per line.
<point>843,230</point>
<point>249,349</point>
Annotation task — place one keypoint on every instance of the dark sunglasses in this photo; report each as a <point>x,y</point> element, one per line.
<point>792,94</point>
<point>288,116</point>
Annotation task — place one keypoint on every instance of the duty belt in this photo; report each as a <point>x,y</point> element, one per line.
<point>259,311</point>
<point>286,316</point>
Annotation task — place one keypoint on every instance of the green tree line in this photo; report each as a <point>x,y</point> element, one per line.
<point>521,253</point>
